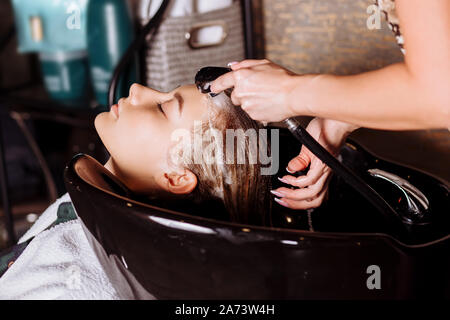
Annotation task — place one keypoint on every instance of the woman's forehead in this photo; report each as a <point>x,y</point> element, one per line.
<point>195,104</point>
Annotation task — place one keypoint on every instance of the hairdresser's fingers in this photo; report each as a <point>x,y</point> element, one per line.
<point>249,105</point>
<point>313,175</point>
<point>304,193</point>
<point>224,82</point>
<point>316,170</point>
<point>298,194</point>
<point>237,101</point>
<point>305,204</point>
<point>248,64</point>
<point>300,162</point>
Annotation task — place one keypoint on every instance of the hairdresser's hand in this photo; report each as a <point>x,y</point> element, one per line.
<point>261,88</point>
<point>311,189</point>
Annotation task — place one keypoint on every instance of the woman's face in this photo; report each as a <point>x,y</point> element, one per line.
<point>137,133</point>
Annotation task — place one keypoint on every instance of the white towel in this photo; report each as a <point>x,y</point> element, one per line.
<point>57,264</point>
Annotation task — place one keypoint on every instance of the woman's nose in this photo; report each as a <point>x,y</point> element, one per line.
<point>139,94</point>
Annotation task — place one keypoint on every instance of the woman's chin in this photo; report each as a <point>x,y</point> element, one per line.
<point>103,128</point>
<point>101,124</point>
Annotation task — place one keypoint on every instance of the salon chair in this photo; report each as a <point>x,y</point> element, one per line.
<point>337,253</point>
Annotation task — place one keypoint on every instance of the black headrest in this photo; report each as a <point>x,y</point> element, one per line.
<point>94,173</point>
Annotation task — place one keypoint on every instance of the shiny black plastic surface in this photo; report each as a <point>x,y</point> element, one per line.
<point>175,255</point>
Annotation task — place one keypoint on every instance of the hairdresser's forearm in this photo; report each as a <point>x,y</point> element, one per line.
<point>389,98</point>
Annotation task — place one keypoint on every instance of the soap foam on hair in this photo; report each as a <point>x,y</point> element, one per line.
<point>221,101</point>
<point>217,104</point>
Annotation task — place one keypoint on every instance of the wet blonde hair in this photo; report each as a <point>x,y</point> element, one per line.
<point>238,185</point>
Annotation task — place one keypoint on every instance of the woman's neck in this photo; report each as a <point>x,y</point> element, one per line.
<point>135,184</point>
<point>111,166</point>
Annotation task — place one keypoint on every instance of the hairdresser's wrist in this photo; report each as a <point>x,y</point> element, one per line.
<point>302,95</point>
<point>306,98</point>
<point>339,128</point>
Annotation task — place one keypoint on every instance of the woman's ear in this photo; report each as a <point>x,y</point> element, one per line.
<point>180,183</point>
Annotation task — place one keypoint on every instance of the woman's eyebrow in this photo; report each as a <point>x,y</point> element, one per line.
<point>180,101</point>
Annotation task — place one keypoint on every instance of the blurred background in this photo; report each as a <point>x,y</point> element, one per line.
<point>57,59</point>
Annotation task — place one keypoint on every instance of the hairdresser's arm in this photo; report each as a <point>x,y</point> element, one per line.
<point>410,95</point>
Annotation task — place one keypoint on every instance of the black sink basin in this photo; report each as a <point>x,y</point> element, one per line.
<point>326,253</point>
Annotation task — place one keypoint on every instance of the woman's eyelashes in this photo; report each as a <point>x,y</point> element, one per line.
<point>170,108</point>
<point>159,104</point>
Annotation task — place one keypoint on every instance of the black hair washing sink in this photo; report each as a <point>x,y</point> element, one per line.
<point>326,253</point>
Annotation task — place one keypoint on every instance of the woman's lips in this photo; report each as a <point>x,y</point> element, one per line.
<point>115,111</point>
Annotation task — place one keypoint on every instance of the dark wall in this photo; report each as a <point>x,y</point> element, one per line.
<point>325,36</point>
<point>15,69</point>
